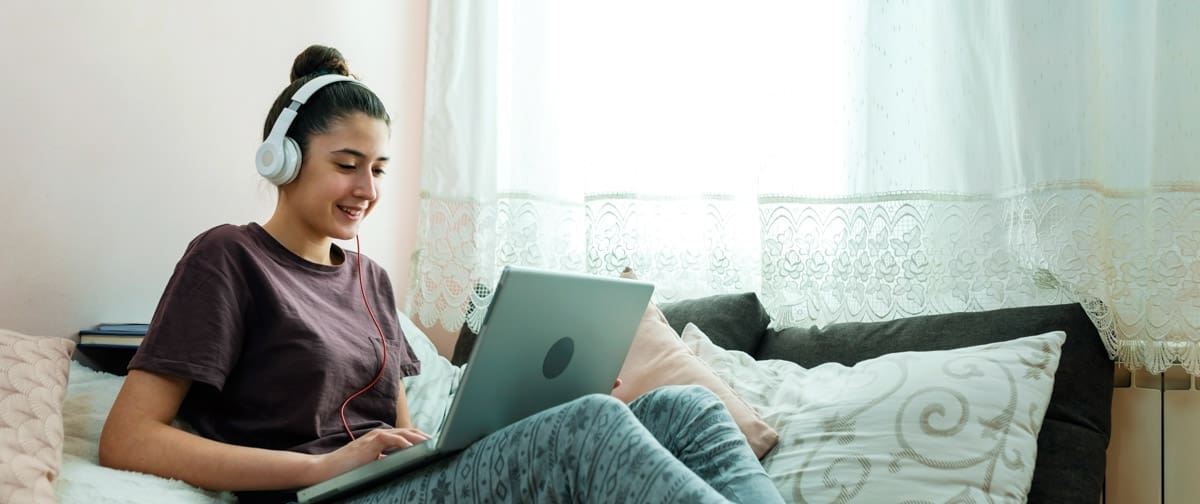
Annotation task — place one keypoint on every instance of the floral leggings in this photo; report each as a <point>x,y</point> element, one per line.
<point>674,444</point>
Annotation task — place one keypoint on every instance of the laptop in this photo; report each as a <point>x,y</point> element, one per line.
<point>547,338</point>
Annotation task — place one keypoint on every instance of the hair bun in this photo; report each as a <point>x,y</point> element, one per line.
<point>319,59</point>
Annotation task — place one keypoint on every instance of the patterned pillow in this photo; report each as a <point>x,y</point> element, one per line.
<point>33,381</point>
<point>945,426</point>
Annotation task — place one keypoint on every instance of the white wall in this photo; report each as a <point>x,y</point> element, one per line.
<point>129,126</point>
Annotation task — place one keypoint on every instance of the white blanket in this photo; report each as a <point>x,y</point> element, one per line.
<point>90,395</point>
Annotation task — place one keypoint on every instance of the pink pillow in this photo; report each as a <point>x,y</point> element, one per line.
<point>658,357</point>
<point>33,383</point>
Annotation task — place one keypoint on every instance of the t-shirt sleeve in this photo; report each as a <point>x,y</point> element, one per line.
<point>197,328</point>
<point>409,364</point>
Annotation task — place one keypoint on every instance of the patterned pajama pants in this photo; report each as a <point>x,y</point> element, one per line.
<point>674,444</point>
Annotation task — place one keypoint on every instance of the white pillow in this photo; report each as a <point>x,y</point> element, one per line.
<point>946,426</point>
<point>429,393</point>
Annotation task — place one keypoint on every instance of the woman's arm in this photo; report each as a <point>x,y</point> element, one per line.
<point>138,436</point>
<point>403,419</point>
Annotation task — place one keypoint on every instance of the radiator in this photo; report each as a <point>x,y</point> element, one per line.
<point>1155,445</point>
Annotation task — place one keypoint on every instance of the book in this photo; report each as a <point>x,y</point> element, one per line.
<point>114,335</point>
<point>110,340</point>
<point>132,328</point>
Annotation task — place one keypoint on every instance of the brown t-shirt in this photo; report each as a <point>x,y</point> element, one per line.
<point>274,343</point>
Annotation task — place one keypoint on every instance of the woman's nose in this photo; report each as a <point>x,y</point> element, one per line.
<point>365,187</point>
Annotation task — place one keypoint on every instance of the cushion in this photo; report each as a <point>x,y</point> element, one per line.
<point>33,383</point>
<point>463,345</point>
<point>658,357</point>
<point>1074,438</point>
<point>733,321</point>
<point>430,393</point>
<point>939,426</point>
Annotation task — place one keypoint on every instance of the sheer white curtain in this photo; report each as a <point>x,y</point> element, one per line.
<point>848,161</point>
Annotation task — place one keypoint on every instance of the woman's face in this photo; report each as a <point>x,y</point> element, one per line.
<point>339,177</point>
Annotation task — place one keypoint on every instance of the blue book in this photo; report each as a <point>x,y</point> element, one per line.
<point>114,335</point>
<point>122,328</point>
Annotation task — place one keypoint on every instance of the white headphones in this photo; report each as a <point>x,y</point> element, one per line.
<point>278,158</point>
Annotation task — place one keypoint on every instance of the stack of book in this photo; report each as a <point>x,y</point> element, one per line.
<point>113,335</point>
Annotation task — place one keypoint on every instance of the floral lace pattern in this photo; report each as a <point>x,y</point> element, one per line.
<point>1132,260</point>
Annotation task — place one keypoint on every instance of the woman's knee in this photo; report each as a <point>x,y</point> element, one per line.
<point>598,406</point>
<point>598,401</point>
<point>593,418</point>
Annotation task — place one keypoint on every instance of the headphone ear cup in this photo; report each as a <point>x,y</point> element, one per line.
<point>269,161</point>
<point>291,161</point>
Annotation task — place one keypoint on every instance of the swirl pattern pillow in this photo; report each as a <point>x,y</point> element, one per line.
<point>945,426</point>
<point>33,382</point>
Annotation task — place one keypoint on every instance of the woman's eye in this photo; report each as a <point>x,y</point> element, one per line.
<point>346,166</point>
<point>379,172</point>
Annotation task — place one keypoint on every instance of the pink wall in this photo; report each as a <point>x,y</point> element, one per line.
<point>129,127</point>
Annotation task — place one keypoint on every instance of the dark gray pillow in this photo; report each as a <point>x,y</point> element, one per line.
<point>463,346</point>
<point>1074,436</point>
<point>731,321</point>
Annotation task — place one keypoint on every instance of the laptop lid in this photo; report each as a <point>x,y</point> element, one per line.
<point>548,338</point>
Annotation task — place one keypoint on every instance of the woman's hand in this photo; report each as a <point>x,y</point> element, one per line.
<point>368,447</point>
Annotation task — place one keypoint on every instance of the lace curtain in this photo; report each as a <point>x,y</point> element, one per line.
<point>858,161</point>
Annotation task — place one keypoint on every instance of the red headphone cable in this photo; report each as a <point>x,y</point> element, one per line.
<point>382,340</point>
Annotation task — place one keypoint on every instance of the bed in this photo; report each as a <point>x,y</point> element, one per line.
<point>870,408</point>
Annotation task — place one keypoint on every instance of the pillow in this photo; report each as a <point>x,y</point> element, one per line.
<point>733,321</point>
<point>1078,424</point>
<point>657,357</point>
<point>32,386</point>
<point>430,393</point>
<point>951,425</point>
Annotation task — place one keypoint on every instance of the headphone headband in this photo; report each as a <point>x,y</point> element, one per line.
<point>278,158</point>
<point>288,114</point>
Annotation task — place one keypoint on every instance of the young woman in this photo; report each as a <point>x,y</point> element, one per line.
<point>262,342</point>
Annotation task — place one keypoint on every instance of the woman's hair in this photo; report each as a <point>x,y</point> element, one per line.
<point>330,103</point>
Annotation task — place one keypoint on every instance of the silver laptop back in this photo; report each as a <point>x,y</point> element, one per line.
<point>546,339</point>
